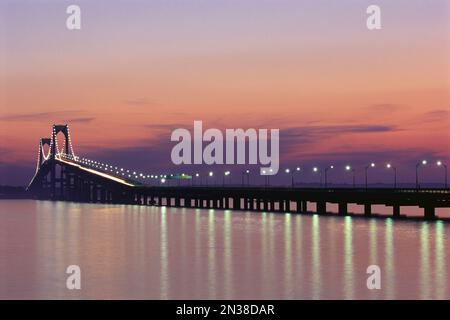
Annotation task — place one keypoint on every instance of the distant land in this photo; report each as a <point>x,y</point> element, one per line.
<point>13,192</point>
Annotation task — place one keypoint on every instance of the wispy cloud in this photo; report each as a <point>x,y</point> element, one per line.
<point>139,102</point>
<point>312,133</point>
<point>384,107</point>
<point>80,120</point>
<point>435,115</point>
<point>38,116</point>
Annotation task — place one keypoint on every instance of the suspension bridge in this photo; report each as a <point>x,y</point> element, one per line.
<point>61,175</point>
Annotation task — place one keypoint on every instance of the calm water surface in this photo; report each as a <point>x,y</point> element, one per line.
<point>168,253</point>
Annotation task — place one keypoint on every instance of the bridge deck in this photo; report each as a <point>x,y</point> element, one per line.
<point>78,182</point>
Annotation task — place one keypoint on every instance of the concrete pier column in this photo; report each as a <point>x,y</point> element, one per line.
<point>429,212</point>
<point>177,202</point>
<point>367,209</point>
<point>287,206</point>
<point>342,207</point>
<point>396,210</point>
<point>94,193</point>
<point>258,204</point>
<point>321,207</point>
<point>298,205</point>
<point>246,203</point>
<point>266,205</point>
<point>281,205</point>
<point>103,197</point>
<point>272,205</point>
<point>237,203</point>
<point>249,205</point>
<point>304,206</point>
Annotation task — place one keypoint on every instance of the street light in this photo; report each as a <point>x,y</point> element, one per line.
<point>210,174</point>
<point>423,162</point>
<point>297,170</point>
<point>197,175</point>
<point>441,164</point>
<point>372,165</point>
<point>349,168</point>
<point>226,174</point>
<point>288,171</point>
<point>317,170</point>
<point>389,166</point>
<point>246,172</point>
<point>268,176</point>
<point>326,174</point>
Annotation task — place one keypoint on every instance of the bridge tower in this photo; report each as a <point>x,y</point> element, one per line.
<point>41,153</point>
<point>66,151</point>
<point>67,147</point>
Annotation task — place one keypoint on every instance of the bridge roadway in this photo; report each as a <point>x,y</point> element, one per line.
<point>80,183</point>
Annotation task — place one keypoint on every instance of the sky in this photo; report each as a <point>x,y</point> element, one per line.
<point>339,93</point>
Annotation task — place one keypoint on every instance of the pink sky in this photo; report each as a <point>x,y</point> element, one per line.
<point>138,70</point>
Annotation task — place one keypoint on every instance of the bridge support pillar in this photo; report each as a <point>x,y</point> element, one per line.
<point>280,205</point>
<point>429,212</point>
<point>287,206</point>
<point>367,209</point>
<point>227,203</point>
<point>177,202</point>
<point>298,206</point>
<point>94,193</point>
<point>342,208</point>
<point>321,207</point>
<point>102,195</point>
<point>304,206</point>
<point>266,205</point>
<point>396,210</point>
<point>272,205</point>
<point>237,203</point>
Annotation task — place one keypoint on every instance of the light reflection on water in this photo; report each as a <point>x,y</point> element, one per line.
<point>169,253</point>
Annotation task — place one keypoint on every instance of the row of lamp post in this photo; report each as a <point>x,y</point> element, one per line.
<point>348,168</point>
